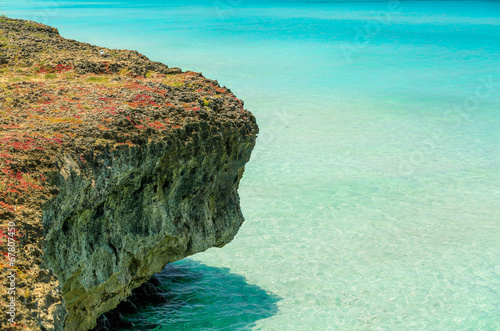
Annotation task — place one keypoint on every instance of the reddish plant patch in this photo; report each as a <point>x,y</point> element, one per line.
<point>63,68</point>
<point>157,125</point>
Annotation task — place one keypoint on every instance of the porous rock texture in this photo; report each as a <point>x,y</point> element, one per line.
<point>112,166</point>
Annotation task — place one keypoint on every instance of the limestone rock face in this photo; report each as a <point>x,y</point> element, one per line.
<point>118,166</point>
<point>114,225</point>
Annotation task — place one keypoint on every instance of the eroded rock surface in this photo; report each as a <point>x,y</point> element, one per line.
<point>112,167</point>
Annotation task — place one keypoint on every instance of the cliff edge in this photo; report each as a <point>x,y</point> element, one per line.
<point>112,166</point>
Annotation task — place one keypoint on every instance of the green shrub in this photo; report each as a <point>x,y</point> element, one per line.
<point>97,79</point>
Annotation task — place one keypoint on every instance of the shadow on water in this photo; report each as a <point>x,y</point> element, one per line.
<point>200,297</point>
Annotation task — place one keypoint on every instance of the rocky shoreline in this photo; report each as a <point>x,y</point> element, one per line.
<point>112,166</point>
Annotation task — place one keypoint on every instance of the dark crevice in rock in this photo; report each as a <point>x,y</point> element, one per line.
<point>148,293</point>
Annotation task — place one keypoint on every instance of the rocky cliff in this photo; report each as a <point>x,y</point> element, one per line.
<point>112,166</point>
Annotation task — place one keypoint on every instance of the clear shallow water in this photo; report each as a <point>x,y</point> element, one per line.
<point>371,201</point>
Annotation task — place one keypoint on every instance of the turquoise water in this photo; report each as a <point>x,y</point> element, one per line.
<point>372,197</point>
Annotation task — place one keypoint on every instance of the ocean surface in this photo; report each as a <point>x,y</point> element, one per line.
<point>372,199</point>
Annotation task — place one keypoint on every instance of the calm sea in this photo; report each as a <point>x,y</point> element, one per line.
<point>372,197</point>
